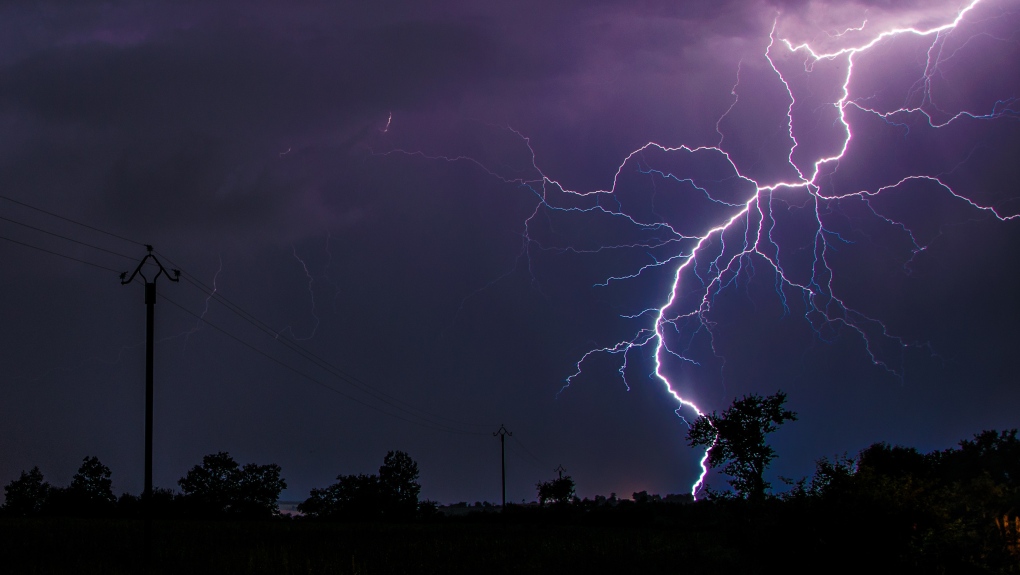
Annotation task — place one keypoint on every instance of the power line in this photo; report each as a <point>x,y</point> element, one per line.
<point>528,451</point>
<point>54,234</point>
<point>429,419</point>
<point>66,219</point>
<point>425,423</point>
<point>523,458</point>
<point>13,241</point>
<point>333,370</point>
<point>322,363</point>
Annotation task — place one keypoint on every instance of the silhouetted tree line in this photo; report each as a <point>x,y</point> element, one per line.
<point>956,509</point>
<point>88,494</point>
<point>888,509</point>
<point>950,511</point>
<point>392,495</point>
<point>218,488</point>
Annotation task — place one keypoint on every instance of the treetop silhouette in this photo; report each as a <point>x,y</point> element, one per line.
<point>736,440</point>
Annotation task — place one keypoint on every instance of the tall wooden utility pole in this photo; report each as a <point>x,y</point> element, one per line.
<point>150,302</point>
<point>502,433</point>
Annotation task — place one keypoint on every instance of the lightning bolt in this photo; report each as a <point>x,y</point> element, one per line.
<point>313,280</point>
<point>311,294</point>
<point>749,211</point>
<point>205,308</point>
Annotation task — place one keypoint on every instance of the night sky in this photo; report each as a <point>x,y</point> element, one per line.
<point>448,207</point>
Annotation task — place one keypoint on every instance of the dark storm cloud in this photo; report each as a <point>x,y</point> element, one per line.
<point>196,116</point>
<point>193,105</point>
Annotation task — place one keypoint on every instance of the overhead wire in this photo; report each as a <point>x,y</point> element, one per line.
<point>352,380</point>
<point>317,381</point>
<point>70,220</point>
<point>79,260</point>
<point>528,451</point>
<point>54,234</point>
<point>427,419</point>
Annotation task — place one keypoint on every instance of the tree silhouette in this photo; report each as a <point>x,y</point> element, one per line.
<point>90,492</point>
<point>26,495</point>
<point>258,490</point>
<point>559,490</point>
<point>736,439</point>
<point>92,482</point>
<point>211,486</point>
<point>221,487</point>
<point>352,497</point>
<point>996,453</point>
<point>398,485</point>
<point>391,495</point>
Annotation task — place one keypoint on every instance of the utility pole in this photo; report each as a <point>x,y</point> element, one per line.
<point>559,469</point>
<point>502,432</point>
<point>150,302</point>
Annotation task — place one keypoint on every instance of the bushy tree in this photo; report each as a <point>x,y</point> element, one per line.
<point>90,491</point>
<point>943,511</point>
<point>258,490</point>
<point>212,485</point>
<point>398,485</point>
<point>352,497</point>
<point>390,495</point>
<point>833,477</point>
<point>26,495</point>
<point>736,439</point>
<point>996,453</point>
<point>559,490</point>
<point>221,487</point>
<point>92,483</point>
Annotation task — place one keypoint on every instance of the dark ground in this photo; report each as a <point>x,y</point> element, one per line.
<point>689,539</point>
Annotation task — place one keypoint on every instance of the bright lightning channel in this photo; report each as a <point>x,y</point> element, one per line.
<point>753,215</point>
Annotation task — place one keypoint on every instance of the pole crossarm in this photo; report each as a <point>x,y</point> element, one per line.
<point>124,279</point>
<point>501,432</point>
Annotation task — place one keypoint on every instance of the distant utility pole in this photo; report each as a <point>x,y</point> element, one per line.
<point>502,432</point>
<point>559,469</point>
<point>150,301</point>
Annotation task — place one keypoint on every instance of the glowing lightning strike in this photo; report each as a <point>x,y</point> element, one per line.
<point>712,258</point>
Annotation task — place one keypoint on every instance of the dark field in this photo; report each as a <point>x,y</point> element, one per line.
<point>693,540</point>
<point>52,545</point>
<point>802,534</point>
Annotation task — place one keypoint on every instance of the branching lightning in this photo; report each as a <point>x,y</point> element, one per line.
<point>744,215</point>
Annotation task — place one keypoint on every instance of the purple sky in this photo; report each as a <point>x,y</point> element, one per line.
<point>434,201</point>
